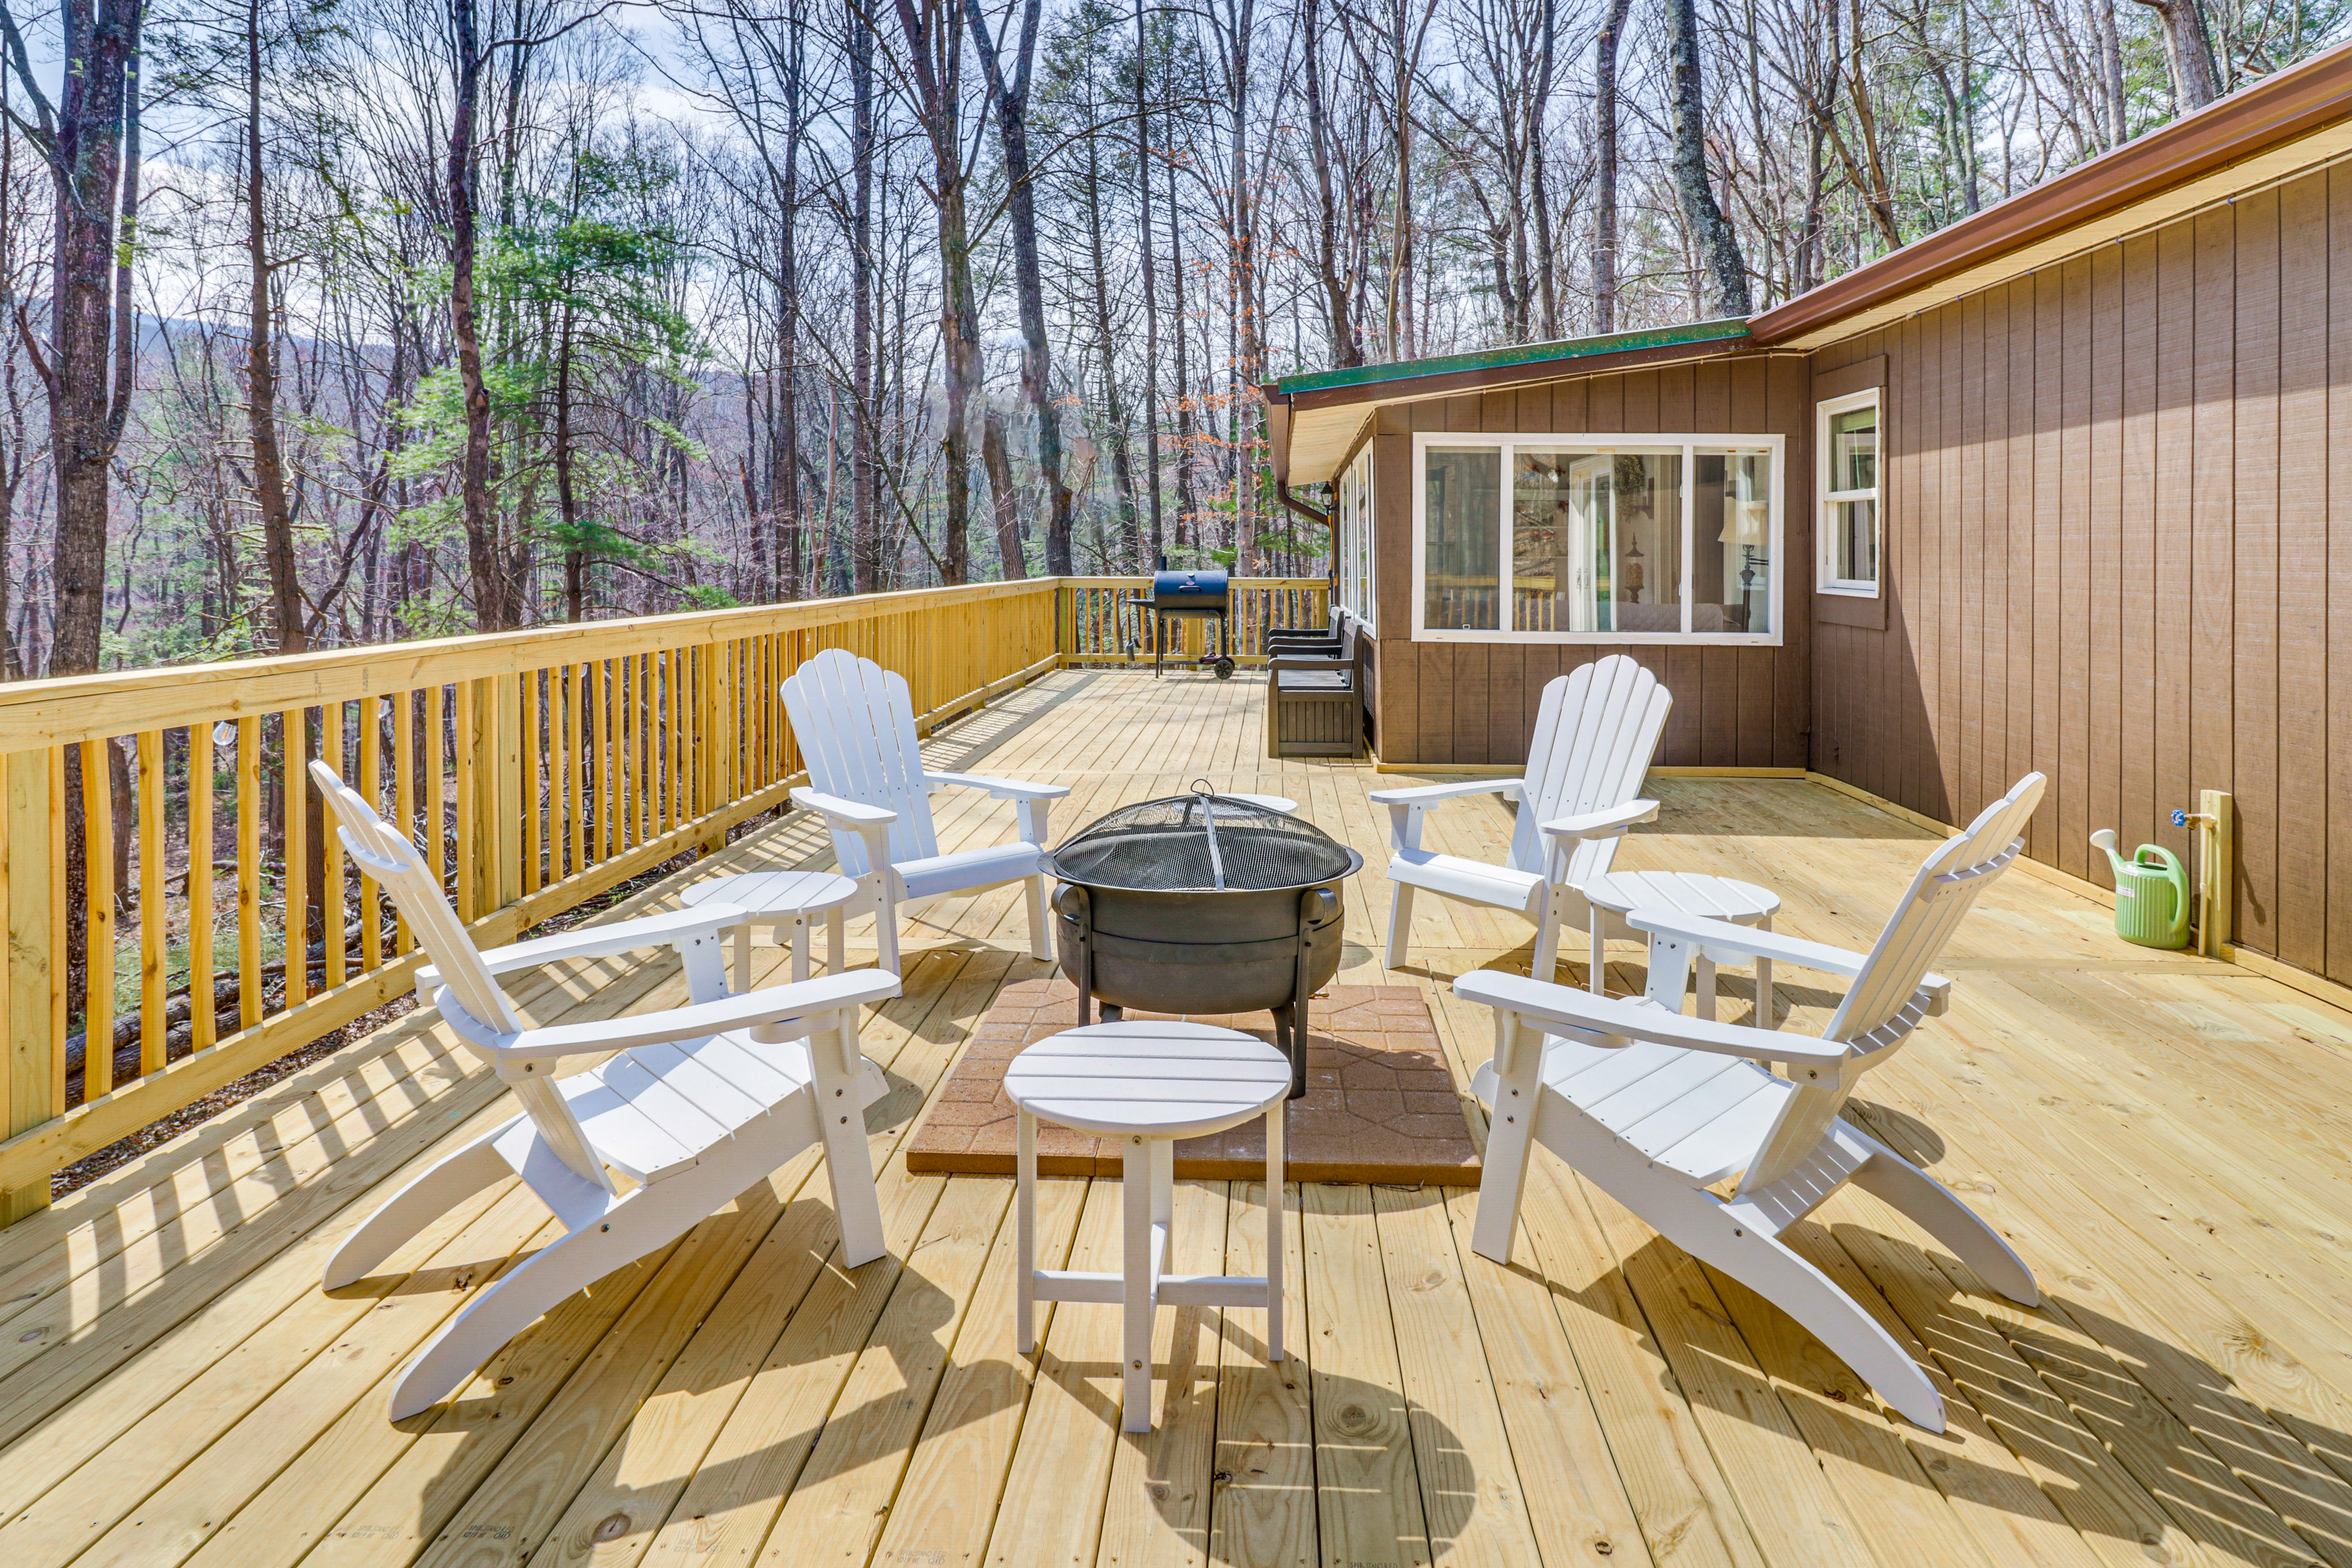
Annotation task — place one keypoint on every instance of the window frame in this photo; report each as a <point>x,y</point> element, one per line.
<point>1359,572</point>
<point>1601,444</point>
<point>1826,580</point>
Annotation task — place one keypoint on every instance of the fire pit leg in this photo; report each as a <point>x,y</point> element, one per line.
<point>1290,1039</point>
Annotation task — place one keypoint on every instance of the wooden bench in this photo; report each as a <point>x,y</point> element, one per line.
<point>1313,708</point>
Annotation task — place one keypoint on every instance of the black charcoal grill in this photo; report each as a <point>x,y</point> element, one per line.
<point>1202,903</point>
<point>1177,594</point>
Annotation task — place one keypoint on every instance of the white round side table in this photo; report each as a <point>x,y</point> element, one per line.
<point>1147,1084</point>
<point>1689,893</point>
<point>786,901</point>
<point>1281,803</point>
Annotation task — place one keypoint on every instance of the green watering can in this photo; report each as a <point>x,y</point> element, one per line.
<point>2151,893</point>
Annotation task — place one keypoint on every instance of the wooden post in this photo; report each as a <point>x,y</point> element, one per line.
<point>31,994</point>
<point>2218,871</point>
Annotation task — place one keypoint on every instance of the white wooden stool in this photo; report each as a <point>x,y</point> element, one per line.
<point>1147,1084</point>
<point>786,901</point>
<point>1689,893</point>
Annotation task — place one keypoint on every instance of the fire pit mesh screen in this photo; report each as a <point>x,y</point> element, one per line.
<point>1200,843</point>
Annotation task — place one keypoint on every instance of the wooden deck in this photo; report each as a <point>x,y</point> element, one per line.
<point>2162,1137</point>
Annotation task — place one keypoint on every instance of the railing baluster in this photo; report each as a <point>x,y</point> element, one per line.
<point>435,753</point>
<point>674,689</point>
<point>466,755</point>
<point>248,871</point>
<point>333,920</point>
<point>407,748</point>
<point>628,778</point>
<point>97,882</point>
<point>534,798</point>
<point>295,851</point>
<point>600,718</point>
<point>371,787</point>
<point>576,770</point>
<point>154,925</point>
<point>647,743</point>
<point>203,989</point>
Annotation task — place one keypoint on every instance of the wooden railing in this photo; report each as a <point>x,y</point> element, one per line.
<point>171,926</point>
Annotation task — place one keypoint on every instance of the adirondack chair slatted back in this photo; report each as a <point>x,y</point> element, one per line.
<point>382,853</point>
<point>1595,734</point>
<point>1883,1005</point>
<point>855,722</point>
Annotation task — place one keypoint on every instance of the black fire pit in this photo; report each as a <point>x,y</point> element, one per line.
<point>1202,903</point>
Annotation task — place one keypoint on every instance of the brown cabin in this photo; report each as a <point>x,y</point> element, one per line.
<point>2049,489</point>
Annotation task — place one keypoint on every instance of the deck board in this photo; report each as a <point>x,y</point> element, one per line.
<point>2160,1136</point>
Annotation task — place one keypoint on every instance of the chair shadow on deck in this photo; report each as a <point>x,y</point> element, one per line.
<point>2127,1434</point>
<point>1401,1479</point>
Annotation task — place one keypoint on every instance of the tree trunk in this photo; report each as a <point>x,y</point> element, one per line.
<point>2186,52</point>
<point>865,543</point>
<point>1187,505</point>
<point>261,373</point>
<point>1539,191</point>
<point>567,500</point>
<point>1150,291</point>
<point>784,479</point>
<point>1346,350</point>
<point>1605,180</point>
<point>485,554</point>
<point>94,173</point>
<point>1012,101</point>
<point>1710,230</point>
<point>1003,499</point>
<point>935,46</point>
<point>1122,462</point>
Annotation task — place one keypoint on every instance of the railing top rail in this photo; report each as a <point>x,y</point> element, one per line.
<point>1135,577</point>
<point>36,714</point>
<point>41,713</point>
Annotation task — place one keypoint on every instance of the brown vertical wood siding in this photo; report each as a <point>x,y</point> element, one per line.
<point>1454,704</point>
<point>2111,500</point>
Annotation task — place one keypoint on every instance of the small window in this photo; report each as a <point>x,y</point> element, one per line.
<point>1566,539</point>
<point>1848,437</point>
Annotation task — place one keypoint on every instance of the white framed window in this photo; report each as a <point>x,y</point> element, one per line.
<point>1597,538</point>
<point>1846,437</point>
<point>1358,589</point>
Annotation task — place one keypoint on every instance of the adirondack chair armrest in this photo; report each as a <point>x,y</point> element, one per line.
<point>1610,824</point>
<point>666,929</point>
<point>1525,997</point>
<point>1723,937</point>
<point>870,823</point>
<point>670,928</point>
<point>1430,795</point>
<point>853,814</point>
<point>1285,660</point>
<point>1033,801</point>
<point>771,1005</point>
<point>999,789</point>
<point>1406,807</point>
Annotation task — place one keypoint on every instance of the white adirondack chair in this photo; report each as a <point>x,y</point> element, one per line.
<point>856,725</point>
<point>1595,734</point>
<point>700,1103</point>
<point>1656,1107</point>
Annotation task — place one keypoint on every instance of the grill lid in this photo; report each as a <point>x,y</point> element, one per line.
<point>1200,843</point>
